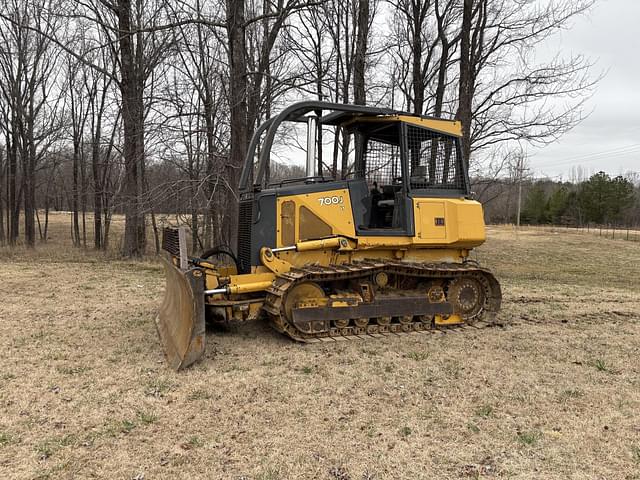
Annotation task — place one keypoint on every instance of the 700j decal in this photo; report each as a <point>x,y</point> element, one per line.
<point>335,200</point>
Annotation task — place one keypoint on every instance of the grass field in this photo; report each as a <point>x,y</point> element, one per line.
<point>554,393</point>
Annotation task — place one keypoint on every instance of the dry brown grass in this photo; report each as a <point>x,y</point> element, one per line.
<point>85,393</point>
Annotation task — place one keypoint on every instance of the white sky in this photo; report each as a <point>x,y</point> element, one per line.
<point>609,139</point>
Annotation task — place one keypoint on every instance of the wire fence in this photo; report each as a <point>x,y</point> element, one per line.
<point>614,232</point>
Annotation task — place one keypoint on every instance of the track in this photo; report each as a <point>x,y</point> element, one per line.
<point>422,296</point>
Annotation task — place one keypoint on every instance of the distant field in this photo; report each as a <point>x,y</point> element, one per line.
<point>59,240</point>
<point>552,394</point>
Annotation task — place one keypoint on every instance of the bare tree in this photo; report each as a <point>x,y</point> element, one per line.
<point>129,33</point>
<point>28,66</point>
<point>78,112</point>
<point>363,27</point>
<point>511,95</point>
<point>349,27</point>
<point>3,163</point>
<point>248,69</point>
<point>178,88</point>
<point>204,70</point>
<point>104,114</point>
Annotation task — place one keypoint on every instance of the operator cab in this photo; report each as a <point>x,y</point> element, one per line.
<point>384,158</point>
<point>396,159</point>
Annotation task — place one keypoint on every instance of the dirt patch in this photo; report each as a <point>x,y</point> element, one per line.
<point>555,393</point>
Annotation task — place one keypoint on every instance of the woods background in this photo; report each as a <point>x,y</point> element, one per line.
<point>146,107</point>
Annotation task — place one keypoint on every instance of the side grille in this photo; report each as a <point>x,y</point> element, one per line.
<point>244,235</point>
<point>171,241</point>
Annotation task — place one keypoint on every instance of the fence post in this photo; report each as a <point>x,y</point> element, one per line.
<point>627,233</point>
<point>613,234</point>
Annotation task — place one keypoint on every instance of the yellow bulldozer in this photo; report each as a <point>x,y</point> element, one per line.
<point>381,247</point>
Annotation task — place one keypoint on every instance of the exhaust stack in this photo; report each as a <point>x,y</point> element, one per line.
<point>312,132</point>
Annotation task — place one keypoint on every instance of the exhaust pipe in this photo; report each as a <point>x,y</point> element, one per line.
<point>312,132</point>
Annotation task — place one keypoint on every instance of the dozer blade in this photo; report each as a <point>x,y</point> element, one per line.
<point>181,323</point>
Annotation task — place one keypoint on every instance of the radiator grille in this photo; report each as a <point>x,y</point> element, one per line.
<point>244,235</point>
<point>170,241</point>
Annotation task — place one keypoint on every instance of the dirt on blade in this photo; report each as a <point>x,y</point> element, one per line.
<point>554,393</point>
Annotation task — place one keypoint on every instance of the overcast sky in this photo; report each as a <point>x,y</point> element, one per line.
<point>609,139</point>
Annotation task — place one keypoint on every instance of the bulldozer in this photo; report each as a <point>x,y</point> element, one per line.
<point>379,247</point>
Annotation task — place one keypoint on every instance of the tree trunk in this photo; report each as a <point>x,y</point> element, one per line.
<point>238,106</point>
<point>105,184</point>
<point>416,56</point>
<point>465,88</point>
<point>39,225</point>
<point>359,64</point>
<point>132,116</point>
<point>46,219</point>
<point>211,213</point>
<point>75,228</point>
<point>12,204</point>
<point>444,60</point>
<point>2,175</point>
<point>360,56</point>
<point>29,174</point>
<point>83,196</point>
<point>107,225</point>
<point>156,233</point>
<point>97,190</point>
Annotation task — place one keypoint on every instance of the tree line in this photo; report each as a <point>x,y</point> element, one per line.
<point>143,107</point>
<point>600,199</point>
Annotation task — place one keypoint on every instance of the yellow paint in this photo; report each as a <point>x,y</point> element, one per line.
<point>450,127</point>
<point>426,214</point>
<point>249,287</point>
<point>255,308</point>
<point>332,206</point>
<point>463,222</point>
<point>445,230</point>
<point>250,282</point>
<point>320,257</point>
<point>225,271</point>
<point>344,300</point>
<point>453,319</point>
<point>320,244</point>
<point>240,310</point>
<point>340,303</point>
<point>211,279</point>
<point>434,241</point>
<point>273,262</point>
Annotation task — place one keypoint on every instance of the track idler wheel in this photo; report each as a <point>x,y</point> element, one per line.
<point>307,292</point>
<point>467,296</point>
